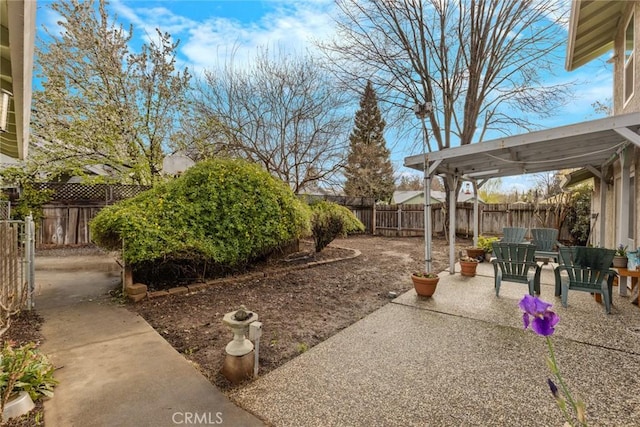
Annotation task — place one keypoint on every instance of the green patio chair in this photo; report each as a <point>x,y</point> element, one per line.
<point>587,270</point>
<point>515,262</point>
<point>546,241</point>
<point>513,234</point>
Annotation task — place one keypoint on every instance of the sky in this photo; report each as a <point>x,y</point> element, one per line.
<point>210,31</point>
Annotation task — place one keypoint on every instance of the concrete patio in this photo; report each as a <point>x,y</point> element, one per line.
<point>460,358</point>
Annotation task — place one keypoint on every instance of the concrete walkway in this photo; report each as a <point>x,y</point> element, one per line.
<point>114,369</point>
<point>460,358</point>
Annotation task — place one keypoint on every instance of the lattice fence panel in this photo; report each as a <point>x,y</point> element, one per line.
<point>91,192</point>
<point>5,210</point>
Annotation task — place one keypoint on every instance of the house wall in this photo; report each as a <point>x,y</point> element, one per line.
<point>612,206</point>
<point>633,105</point>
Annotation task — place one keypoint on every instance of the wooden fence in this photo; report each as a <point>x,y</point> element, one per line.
<point>66,224</point>
<point>67,217</point>
<point>408,220</point>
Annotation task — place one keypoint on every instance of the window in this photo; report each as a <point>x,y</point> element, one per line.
<point>629,53</point>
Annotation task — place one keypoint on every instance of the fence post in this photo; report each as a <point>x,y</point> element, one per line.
<point>399,228</point>
<point>29,242</point>
<point>373,219</point>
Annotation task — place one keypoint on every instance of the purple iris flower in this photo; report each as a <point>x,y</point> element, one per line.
<point>544,319</point>
<point>553,388</point>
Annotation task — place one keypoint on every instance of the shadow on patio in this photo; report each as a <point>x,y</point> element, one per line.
<point>460,358</point>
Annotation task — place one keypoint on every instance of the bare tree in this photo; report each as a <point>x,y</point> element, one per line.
<point>281,111</point>
<point>415,182</point>
<point>476,61</point>
<point>101,104</point>
<point>549,184</point>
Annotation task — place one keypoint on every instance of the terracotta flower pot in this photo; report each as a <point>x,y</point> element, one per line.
<point>475,253</point>
<point>468,268</point>
<point>424,286</point>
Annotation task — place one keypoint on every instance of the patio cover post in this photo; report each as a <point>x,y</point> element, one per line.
<point>421,111</point>
<point>603,209</point>
<point>476,223</point>
<point>427,216</point>
<point>623,203</point>
<point>453,184</point>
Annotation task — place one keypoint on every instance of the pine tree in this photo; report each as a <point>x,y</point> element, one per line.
<point>368,170</point>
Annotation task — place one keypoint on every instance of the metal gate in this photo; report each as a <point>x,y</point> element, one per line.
<point>17,268</point>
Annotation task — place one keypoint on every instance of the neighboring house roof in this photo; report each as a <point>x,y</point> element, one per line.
<point>176,163</point>
<point>17,41</point>
<point>592,29</point>
<point>576,177</point>
<point>403,196</point>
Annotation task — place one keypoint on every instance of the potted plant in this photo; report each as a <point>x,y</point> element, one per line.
<point>620,258</point>
<point>25,375</point>
<point>425,283</point>
<point>468,266</point>
<point>476,252</point>
<point>486,243</point>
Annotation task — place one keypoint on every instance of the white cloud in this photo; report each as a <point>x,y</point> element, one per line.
<point>212,40</point>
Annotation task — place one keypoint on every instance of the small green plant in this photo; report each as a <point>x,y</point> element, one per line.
<point>486,243</point>
<point>425,275</point>
<point>302,347</point>
<point>118,296</point>
<point>24,368</point>
<point>621,250</point>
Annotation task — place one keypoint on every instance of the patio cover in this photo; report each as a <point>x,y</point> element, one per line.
<point>593,145</point>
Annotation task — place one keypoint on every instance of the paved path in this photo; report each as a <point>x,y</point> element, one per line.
<point>114,369</point>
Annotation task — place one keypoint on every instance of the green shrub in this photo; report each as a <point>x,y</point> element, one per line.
<point>222,211</point>
<point>579,215</point>
<point>486,243</point>
<point>25,369</point>
<point>329,221</point>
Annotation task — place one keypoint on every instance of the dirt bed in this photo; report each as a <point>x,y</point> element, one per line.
<point>299,308</point>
